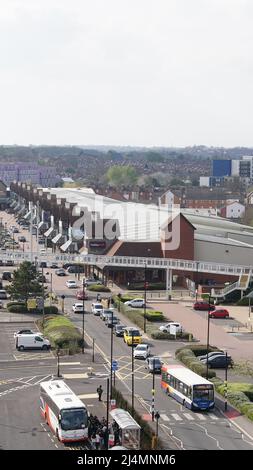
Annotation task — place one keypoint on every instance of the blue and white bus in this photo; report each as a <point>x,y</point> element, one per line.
<point>188,388</point>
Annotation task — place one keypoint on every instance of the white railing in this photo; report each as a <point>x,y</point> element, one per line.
<point>236,285</point>
<point>129,261</point>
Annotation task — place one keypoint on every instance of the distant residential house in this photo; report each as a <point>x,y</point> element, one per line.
<point>249,198</point>
<point>169,199</point>
<point>234,210</point>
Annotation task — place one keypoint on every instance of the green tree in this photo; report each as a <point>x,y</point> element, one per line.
<point>25,283</point>
<point>121,176</point>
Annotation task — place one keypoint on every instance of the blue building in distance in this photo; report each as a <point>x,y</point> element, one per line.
<point>221,168</point>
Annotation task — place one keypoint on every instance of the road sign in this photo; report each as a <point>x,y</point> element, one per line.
<point>31,304</point>
<point>115,365</point>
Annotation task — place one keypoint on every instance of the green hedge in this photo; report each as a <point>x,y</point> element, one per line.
<point>162,335</point>
<point>188,357</point>
<point>53,310</point>
<point>62,333</point>
<point>198,349</point>
<point>153,315</point>
<point>206,297</point>
<point>99,288</point>
<point>238,395</point>
<point>10,304</point>
<point>244,302</point>
<point>125,298</point>
<point>17,309</point>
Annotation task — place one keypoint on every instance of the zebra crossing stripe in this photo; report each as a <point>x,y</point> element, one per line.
<point>201,417</point>
<point>188,416</point>
<point>176,416</point>
<point>212,416</point>
<point>164,417</point>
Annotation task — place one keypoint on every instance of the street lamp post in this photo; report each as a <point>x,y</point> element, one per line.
<point>43,298</point>
<point>153,393</point>
<point>208,328</point>
<point>107,414</point>
<point>63,297</point>
<point>197,280</point>
<point>132,346</point>
<point>145,295</point>
<point>249,310</point>
<point>157,416</point>
<point>58,362</point>
<point>83,317</point>
<point>226,383</point>
<point>111,356</point>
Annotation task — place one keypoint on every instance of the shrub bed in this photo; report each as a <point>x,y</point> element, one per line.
<point>99,288</point>
<point>17,308</point>
<point>154,315</point>
<point>62,333</point>
<point>188,357</point>
<point>243,302</point>
<point>198,349</point>
<point>53,310</point>
<point>10,304</point>
<point>238,395</point>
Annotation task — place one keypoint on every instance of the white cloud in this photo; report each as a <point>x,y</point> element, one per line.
<point>146,72</point>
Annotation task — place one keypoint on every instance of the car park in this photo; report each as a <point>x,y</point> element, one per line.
<point>32,341</point>
<point>82,295</point>
<point>132,336</point>
<point>96,308</point>
<point>142,351</point>
<point>154,365</point>
<point>219,313</point>
<point>219,362</point>
<point>166,328</point>
<point>119,330</point>
<point>60,272</point>
<point>3,294</point>
<point>78,308</point>
<point>135,303</point>
<point>202,305</point>
<point>71,284</point>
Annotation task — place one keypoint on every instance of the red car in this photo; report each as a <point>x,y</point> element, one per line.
<point>80,295</point>
<point>219,313</point>
<point>202,306</point>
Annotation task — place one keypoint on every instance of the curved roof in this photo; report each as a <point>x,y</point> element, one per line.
<point>124,419</point>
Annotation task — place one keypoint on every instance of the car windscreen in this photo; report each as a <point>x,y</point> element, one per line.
<point>98,306</point>
<point>134,333</point>
<point>75,418</point>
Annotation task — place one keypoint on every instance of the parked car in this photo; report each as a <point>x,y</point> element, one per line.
<point>3,294</point>
<point>105,313</point>
<point>54,266</point>
<point>60,272</point>
<point>43,264</point>
<point>9,262</point>
<point>91,282</point>
<point>24,332</point>
<point>154,364</point>
<point>166,328</point>
<point>7,276</point>
<point>22,239</point>
<point>135,303</point>
<point>132,336</point>
<point>111,321</point>
<point>82,295</point>
<point>119,330</point>
<point>76,269</point>
<point>211,354</point>
<point>202,305</point>
<point>78,308</point>
<point>41,241</point>
<point>219,313</point>
<point>142,351</point>
<point>96,308</point>
<point>71,284</point>
<point>15,230</point>
<point>219,362</point>
<point>30,341</point>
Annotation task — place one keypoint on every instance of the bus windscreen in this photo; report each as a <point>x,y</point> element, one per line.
<point>76,418</point>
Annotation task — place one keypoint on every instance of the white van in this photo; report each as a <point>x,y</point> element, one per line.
<point>34,341</point>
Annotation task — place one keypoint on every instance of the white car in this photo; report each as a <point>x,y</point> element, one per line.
<point>91,282</point>
<point>78,308</point>
<point>71,284</point>
<point>142,351</point>
<point>96,308</point>
<point>136,303</point>
<point>166,328</point>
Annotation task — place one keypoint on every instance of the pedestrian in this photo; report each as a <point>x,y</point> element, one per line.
<point>93,441</point>
<point>97,440</point>
<point>98,297</point>
<point>99,392</point>
<point>108,302</point>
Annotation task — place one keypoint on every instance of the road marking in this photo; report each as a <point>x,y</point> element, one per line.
<point>70,363</point>
<point>176,416</point>
<point>212,416</point>
<point>201,417</point>
<point>88,395</point>
<point>164,417</point>
<point>75,376</point>
<point>188,416</point>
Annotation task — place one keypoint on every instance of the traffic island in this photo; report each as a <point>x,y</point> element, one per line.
<point>62,334</point>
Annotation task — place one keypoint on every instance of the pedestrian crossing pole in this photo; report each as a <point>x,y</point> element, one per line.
<point>153,405</point>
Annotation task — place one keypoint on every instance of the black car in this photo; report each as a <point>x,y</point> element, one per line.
<point>119,330</point>
<point>7,276</point>
<point>9,262</point>
<point>154,365</point>
<point>219,362</point>
<point>43,264</point>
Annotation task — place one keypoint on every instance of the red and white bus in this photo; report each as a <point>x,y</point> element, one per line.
<point>63,411</point>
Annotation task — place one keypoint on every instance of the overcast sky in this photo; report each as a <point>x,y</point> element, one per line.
<point>126,72</point>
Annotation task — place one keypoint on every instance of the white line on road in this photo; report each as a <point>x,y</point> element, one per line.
<point>212,416</point>
<point>201,417</point>
<point>188,416</point>
<point>164,417</point>
<point>176,416</point>
<point>70,363</point>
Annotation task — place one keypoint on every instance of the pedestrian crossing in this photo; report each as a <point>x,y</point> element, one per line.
<point>184,416</point>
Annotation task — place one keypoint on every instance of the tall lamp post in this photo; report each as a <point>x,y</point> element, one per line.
<point>226,383</point>
<point>111,356</point>
<point>208,328</point>
<point>83,315</point>
<point>157,417</point>
<point>197,281</point>
<point>249,310</point>
<point>132,346</point>
<point>145,296</point>
<point>153,393</point>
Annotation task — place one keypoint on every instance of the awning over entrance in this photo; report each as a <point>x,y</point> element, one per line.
<point>66,245</point>
<point>57,238</point>
<point>49,232</point>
